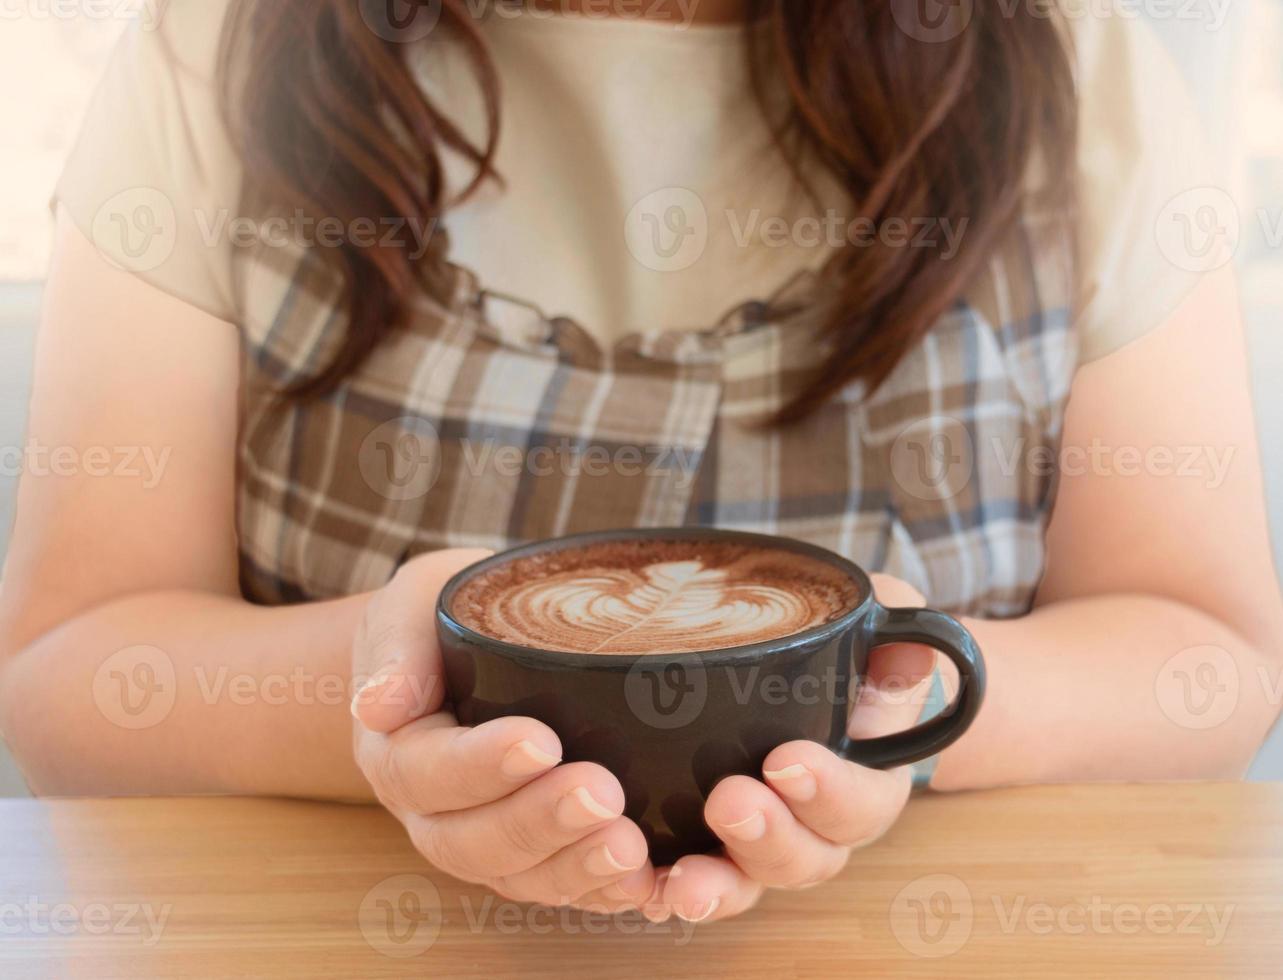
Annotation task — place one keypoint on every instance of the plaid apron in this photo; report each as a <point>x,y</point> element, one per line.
<point>484,423</point>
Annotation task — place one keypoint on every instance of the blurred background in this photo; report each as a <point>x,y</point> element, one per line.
<point>51,52</point>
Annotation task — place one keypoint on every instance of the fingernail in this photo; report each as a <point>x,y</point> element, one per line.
<point>636,887</point>
<point>751,828</point>
<point>368,691</point>
<point>658,911</point>
<point>578,809</point>
<point>795,782</point>
<point>603,863</point>
<point>700,913</point>
<point>525,759</point>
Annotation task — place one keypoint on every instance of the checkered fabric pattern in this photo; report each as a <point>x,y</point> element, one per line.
<point>485,423</point>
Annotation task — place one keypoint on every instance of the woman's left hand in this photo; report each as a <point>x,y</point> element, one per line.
<point>798,826</point>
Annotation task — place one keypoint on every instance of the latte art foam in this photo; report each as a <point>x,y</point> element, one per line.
<point>654,597</point>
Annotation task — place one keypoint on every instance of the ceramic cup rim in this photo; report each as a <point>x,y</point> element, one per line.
<point>624,661</point>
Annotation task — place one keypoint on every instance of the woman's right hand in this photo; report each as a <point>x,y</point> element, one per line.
<point>489,804</point>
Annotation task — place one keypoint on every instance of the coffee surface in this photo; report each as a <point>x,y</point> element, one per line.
<point>653,596</point>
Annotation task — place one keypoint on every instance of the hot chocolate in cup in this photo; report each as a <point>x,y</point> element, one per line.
<point>676,657</point>
<point>641,596</point>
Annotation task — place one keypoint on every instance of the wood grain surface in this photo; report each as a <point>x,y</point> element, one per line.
<point>1115,881</point>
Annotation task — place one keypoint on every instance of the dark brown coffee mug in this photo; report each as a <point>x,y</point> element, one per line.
<point>670,726</point>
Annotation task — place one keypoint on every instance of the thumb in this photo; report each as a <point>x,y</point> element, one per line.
<point>396,657</point>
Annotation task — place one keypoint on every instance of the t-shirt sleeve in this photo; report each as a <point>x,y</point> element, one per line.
<point>153,180</point>
<point>1146,185</point>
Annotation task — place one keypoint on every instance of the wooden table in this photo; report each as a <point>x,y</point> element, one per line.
<point>1124,881</point>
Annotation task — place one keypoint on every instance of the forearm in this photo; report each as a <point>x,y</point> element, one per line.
<point>257,704</point>
<point>1083,690</point>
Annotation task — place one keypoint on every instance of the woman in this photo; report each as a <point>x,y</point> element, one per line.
<point>419,189</point>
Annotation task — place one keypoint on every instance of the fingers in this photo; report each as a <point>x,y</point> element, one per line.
<point>897,684</point>
<point>703,887</point>
<point>400,691</point>
<point>629,893</point>
<point>765,839</point>
<point>895,593</point>
<point>432,766</point>
<point>492,805</point>
<point>837,800</point>
<point>895,690</point>
<point>519,831</point>
<point>616,853</point>
<point>396,643</point>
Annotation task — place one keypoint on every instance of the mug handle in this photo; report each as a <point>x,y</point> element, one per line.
<point>947,635</point>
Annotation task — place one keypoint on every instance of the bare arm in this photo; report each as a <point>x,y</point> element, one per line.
<point>110,557</point>
<point>1158,549</point>
<point>112,584</point>
<point>129,663</point>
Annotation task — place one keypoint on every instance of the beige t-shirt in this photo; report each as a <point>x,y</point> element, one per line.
<point>640,192</point>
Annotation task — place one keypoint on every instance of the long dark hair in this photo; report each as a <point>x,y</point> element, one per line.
<point>913,119</point>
